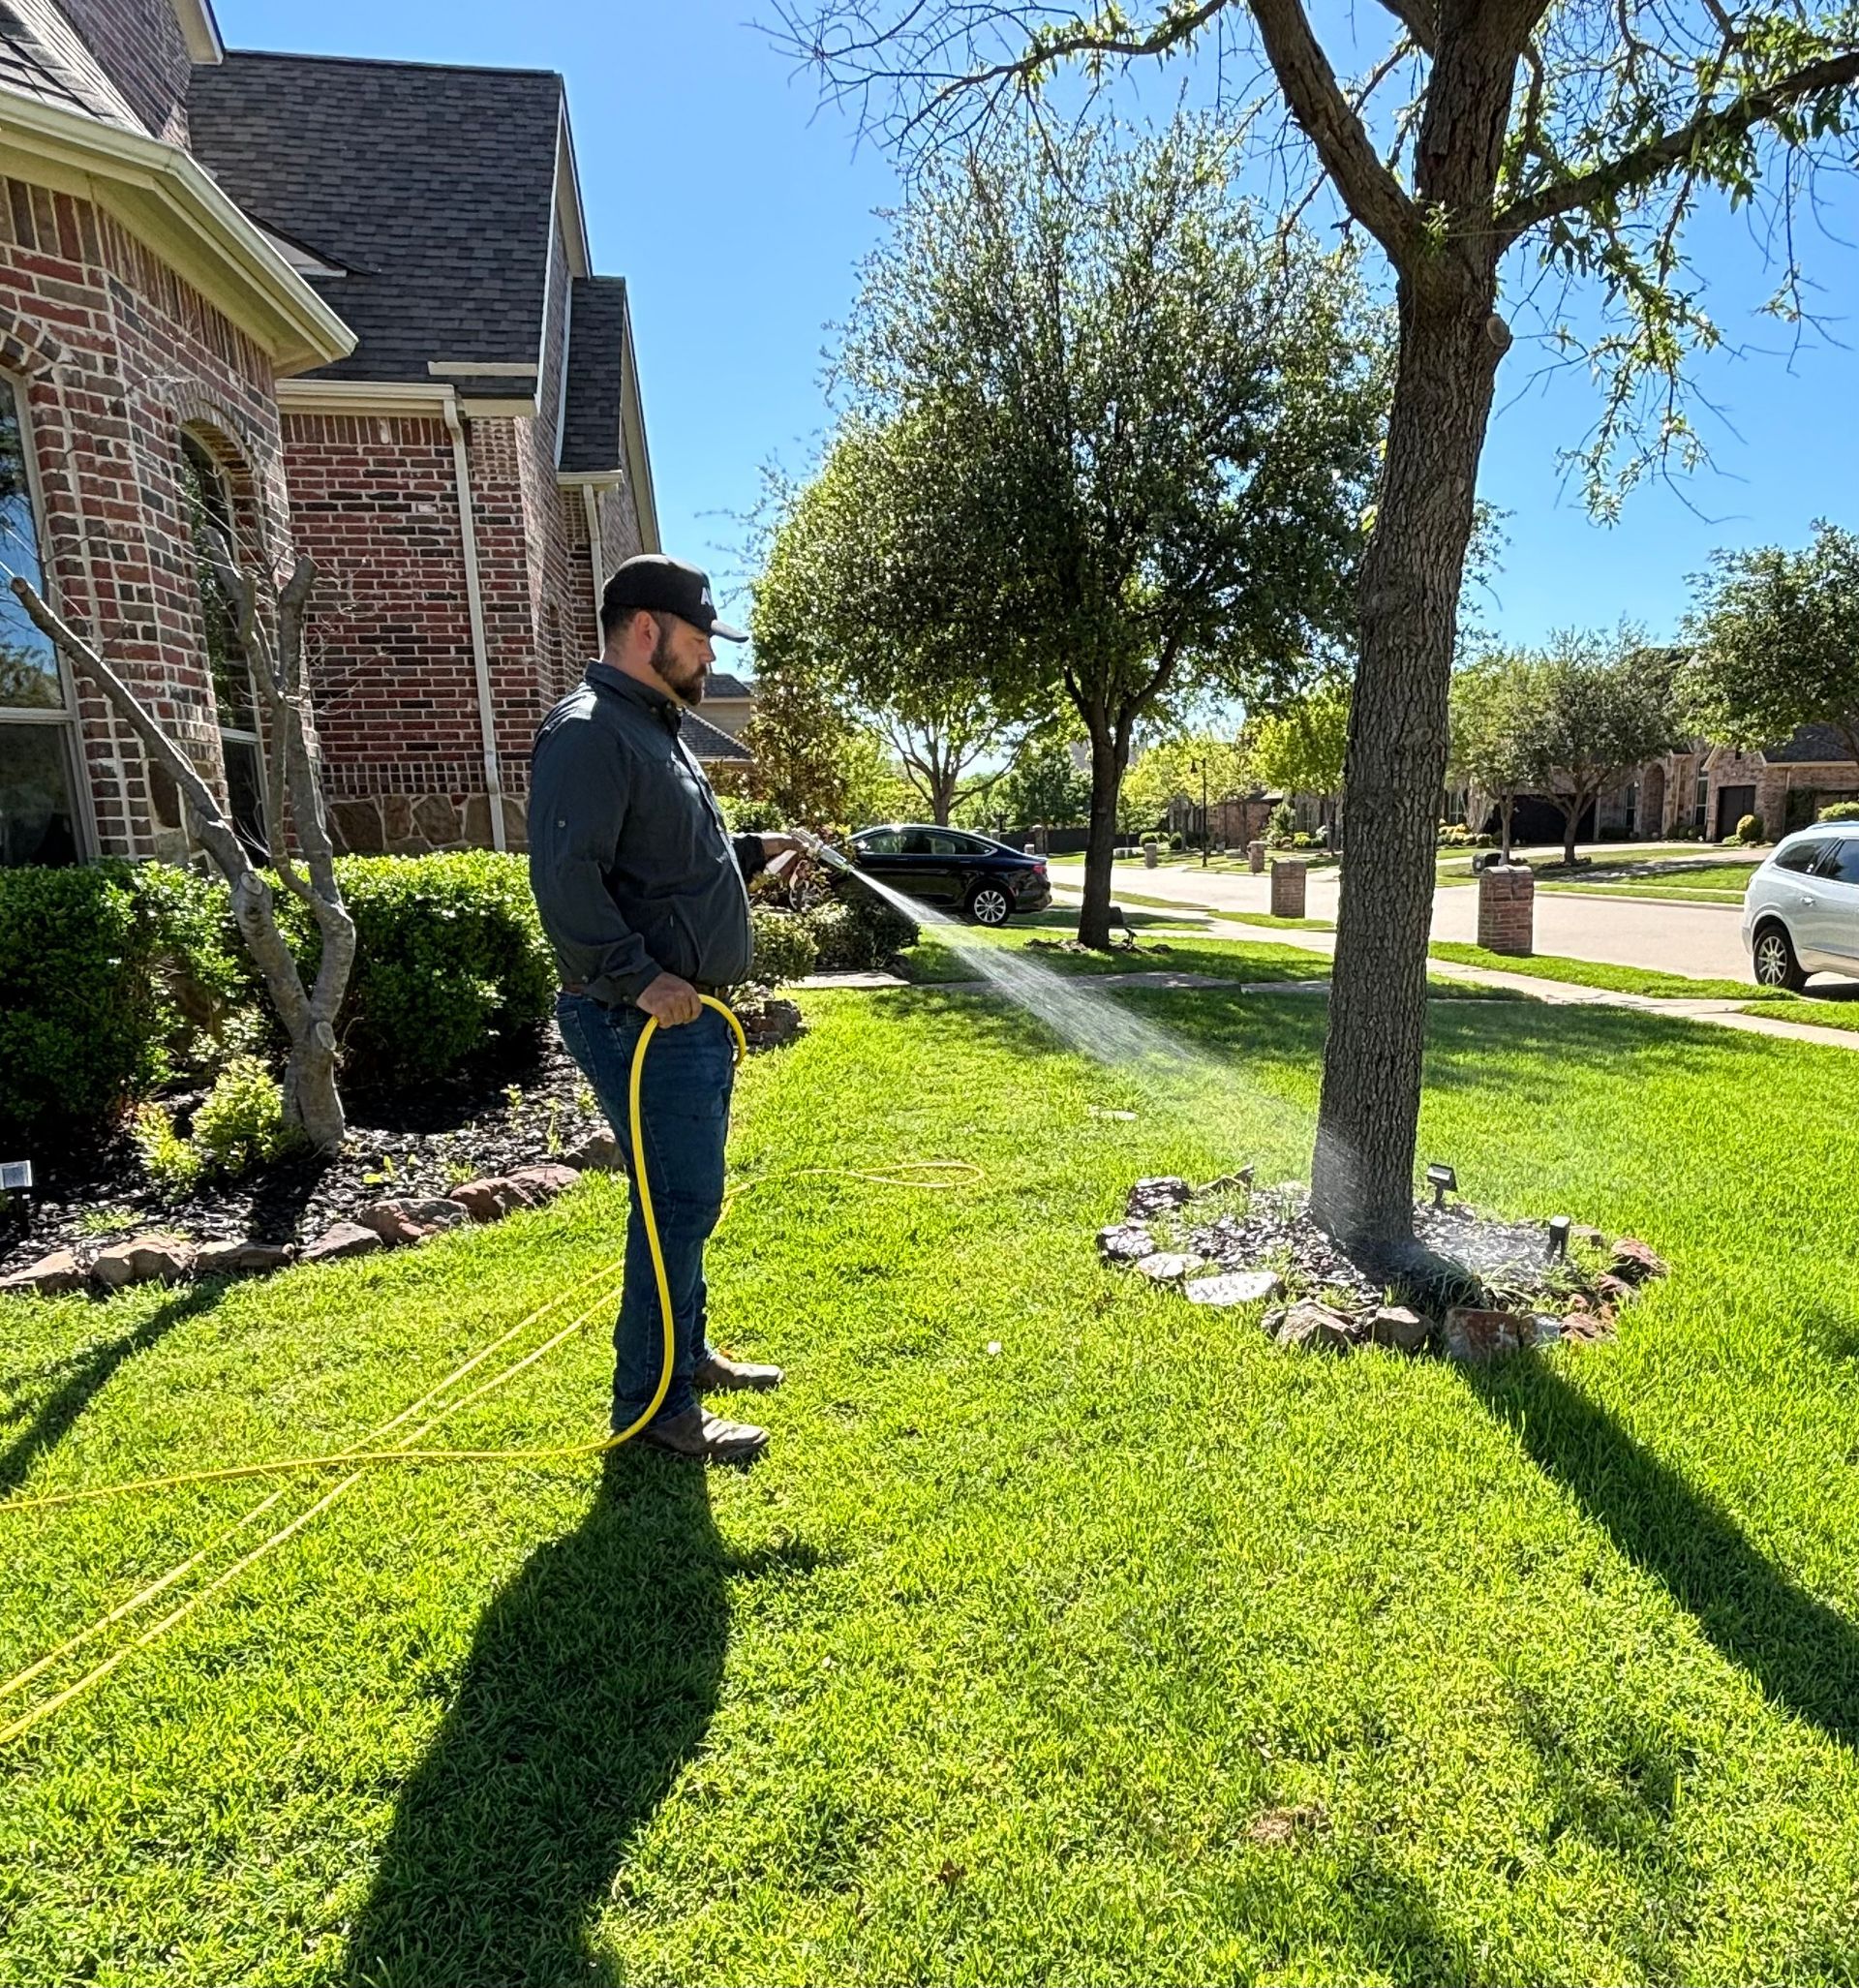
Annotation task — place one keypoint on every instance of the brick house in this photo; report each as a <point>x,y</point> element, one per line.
<point>343,306</point>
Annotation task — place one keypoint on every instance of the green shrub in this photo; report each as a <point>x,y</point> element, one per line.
<point>1840,810</point>
<point>1749,829</point>
<point>1177,842</point>
<point>114,977</point>
<point>241,1121</point>
<point>174,1165</point>
<point>785,946</point>
<point>1280,826</point>
<point>450,957</point>
<point>750,817</point>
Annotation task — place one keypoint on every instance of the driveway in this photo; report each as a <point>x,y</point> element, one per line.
<point>1703,940</point>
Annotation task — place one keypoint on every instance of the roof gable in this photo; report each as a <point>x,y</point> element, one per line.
<point>431,188</point>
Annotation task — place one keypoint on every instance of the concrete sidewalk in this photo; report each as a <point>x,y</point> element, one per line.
<point>1717,1012</point>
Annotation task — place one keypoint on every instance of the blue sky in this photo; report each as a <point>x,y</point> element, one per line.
<point>738,215</point>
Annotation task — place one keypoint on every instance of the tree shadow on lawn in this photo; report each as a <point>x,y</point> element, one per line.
<point>82,1376</point>
<point>1803,1654</point>
<point>592,1680</point>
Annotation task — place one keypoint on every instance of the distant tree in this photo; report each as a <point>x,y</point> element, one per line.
<point>1495,711</point>
<point>1777,643</point>
<point>1299,747</point>
<point>1599,709</point>
<point>860,594</point>
<point>1171,768</point>
<point>1143,428</point>
<point>1044,787</point>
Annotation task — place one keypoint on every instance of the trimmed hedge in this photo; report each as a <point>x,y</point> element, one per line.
<point>1841,810</point>
<point>115,978</point>
<point>450,957</point>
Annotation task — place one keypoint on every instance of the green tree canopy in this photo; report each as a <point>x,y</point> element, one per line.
<point>1777,643</point>
<point>1299,747</point>
<point>1496,711</point>
<point>1044,787</point>
<point>1596,709</point>
<point>1137,429</point>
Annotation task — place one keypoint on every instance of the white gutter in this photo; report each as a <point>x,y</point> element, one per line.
<point>597,554</point>
<point>474,601</point>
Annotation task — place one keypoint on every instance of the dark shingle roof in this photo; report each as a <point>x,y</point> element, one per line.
<point>708,743</point>
<point>1811,743</point>
<point>719,685</point>
<point>590,438</point>
<point>58,69</point>
<point>432,187</point>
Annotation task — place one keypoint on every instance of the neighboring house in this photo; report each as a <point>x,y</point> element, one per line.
<point>729,703</point>
<point>341,307</point>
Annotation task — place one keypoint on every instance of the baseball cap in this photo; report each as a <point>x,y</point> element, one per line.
<point>665,586</point>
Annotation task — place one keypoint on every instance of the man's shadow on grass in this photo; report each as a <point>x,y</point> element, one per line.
<point>590,1682</point>
<point>1803,1654</point>
<point>77,1378</point>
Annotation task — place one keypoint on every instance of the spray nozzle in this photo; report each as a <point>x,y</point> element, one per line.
<point>819,851</point>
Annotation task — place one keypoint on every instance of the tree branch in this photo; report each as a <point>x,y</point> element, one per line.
<point>1657,157</point>
<point>1368,189</point>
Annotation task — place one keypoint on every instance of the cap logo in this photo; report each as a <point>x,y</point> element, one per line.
<point>706,601</point>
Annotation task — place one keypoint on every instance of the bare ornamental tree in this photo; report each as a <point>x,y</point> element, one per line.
<point>1581,136</point>
<point>293,796</point>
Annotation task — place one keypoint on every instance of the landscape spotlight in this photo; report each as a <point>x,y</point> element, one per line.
<point>1444,1182</point>
<point>1559,1226</point>
<point>15,1176</point>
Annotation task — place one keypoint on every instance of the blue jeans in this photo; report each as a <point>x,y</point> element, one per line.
<point>684,1116</point>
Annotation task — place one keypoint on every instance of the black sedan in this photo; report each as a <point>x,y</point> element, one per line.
<point>950,868</point>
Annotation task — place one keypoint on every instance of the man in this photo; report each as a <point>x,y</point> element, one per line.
<point>642,893</point>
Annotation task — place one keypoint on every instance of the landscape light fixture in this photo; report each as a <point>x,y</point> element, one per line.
<point>1559,1227</point>
<point>1444,1182</point>
<point>15,1176</point>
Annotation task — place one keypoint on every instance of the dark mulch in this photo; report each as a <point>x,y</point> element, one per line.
<point>529,1104</point>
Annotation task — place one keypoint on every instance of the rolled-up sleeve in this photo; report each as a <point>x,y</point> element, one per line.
<point>577,807</point>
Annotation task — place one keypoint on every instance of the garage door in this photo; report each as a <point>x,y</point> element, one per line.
<point>1732,804</point>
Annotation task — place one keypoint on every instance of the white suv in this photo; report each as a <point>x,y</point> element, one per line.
<point>1801,910</point>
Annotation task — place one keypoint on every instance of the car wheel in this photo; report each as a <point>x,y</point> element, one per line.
<point>990,904</point>
<point>1775,962</point>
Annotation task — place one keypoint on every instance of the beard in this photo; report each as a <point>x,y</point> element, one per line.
<point>687,679</point>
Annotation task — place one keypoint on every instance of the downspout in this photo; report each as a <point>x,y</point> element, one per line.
<point>596,556</point>
<point>474,603</point>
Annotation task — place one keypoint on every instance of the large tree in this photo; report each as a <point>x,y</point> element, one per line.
<point>1777,643</point>
<point>1043,788</point>
<point>1299,747</point>
<point>1577,136</point>
<point>1596,709</point>
<point>1129,438</point>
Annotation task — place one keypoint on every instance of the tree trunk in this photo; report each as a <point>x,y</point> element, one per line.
<point>1362,1174</point>
<point>1570,821</point>
<point>1108,758</point>
<point>311,1098</point>
<point>1505,809</point>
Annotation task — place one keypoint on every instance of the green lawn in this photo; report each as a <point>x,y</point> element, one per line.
<point>1138,1650</point>
<point>1722,883</point>
<point>1639,980</point>
<point>1827,1014</point>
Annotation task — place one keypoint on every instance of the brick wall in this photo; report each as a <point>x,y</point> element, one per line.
<point>374,500</point>
<point>140,47</point>
<point>117,354</point>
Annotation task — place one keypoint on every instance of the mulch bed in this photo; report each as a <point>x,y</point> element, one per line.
<point>529,1105</point>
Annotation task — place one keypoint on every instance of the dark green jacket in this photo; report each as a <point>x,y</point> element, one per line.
<point>634,869</point>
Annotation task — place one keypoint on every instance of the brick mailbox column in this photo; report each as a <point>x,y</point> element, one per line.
<point>1256,857</point>
<point>1507,908</point>
<point>1287,889</point>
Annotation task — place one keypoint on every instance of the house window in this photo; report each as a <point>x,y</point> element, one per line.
<point>1701,800</point>
<point>210,504</point>
<point>1632,805</point>
<point>37,731</point>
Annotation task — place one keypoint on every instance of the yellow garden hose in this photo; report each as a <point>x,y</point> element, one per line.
<point>920,1174</point>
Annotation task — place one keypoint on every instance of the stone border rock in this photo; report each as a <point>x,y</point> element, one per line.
<point>157,1257</point>
<point>1462,1332</point>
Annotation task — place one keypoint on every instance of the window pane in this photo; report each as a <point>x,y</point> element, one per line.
<point>37,824</point>
<point>245,791</point>
<point>211,509</point>
<point>28,662</point>
<point>1844,863</point>
<point>1800,857</point>
<point>880,842</point>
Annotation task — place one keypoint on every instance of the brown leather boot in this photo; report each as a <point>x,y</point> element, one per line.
<point>704,1437</point>
<point>716,1375</point>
